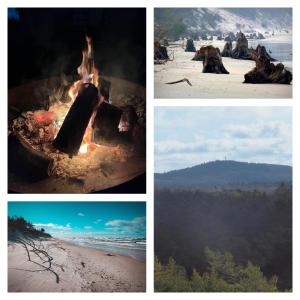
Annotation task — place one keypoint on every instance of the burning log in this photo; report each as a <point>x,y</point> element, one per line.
<point>212,62</point>
<point>267,72</point>
<point>71,133</point>
<point>190,46</point>
<point>128,122</point>
<point>23,159</point>
<point>227,51</point>
<point>106,123</point>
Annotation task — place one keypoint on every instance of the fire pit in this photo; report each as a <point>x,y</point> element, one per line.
<point>75,134</point>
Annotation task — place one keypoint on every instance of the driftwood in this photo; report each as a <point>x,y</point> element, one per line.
<point>178,81</point>
<point>38,255</point>
<point>212,62</point>
<point>24,160</point>
<point>106,122</point>
<point>71,133</point>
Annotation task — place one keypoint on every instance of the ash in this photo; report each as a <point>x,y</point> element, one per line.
<point>39,129</point>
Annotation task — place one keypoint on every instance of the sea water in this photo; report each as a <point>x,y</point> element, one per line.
<point>132,247</point>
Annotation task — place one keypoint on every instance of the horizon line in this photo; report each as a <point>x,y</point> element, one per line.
<point>222,160</point>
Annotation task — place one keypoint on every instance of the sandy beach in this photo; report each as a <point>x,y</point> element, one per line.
<point>209,85</point>
<point>73,269</point>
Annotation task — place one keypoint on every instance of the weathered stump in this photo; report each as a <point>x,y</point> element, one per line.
<point>267,72</point>
<point>241,50</point>
<point>212,62</point>
<point>227,51</point>
<point>160,52</point>
<point>190,47</point>
<point>260,51</point>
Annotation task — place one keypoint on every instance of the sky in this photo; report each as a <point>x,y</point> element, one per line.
<point>188,136</point>
<point>89,219</point>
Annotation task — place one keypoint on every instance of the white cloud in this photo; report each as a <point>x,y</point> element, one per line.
<point>88,227</point>
<point>135,225</point>
<point>187,136</point>
<point>53,226</point>
<point>80,214</point>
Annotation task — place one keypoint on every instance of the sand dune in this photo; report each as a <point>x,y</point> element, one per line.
<point>73,269</point>
<point>210,85</point>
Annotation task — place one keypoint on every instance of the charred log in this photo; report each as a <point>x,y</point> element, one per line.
<point>105,88</point>
<point>106,123</point>
<point>227,51</point>
<point>160,52</point>
<point>212,62</point>
<point>71,133</point>
<point>26,161</point>
<point>190,47</point>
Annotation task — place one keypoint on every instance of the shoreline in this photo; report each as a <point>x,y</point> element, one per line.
<point>74,269</point>
<point>101,250</point>
<point>208,85</point>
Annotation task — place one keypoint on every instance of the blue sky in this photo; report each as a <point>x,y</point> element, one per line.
<point>187,136</point>
<point>90,219</point>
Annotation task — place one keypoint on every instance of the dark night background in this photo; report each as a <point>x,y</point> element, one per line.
<point>46,42</point>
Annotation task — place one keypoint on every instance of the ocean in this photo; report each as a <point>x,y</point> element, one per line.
<point>132,247</point>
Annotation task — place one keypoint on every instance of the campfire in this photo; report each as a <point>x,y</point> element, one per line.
<point>83,137</point>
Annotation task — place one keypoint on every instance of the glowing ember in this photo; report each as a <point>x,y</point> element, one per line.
<point>83,148</point>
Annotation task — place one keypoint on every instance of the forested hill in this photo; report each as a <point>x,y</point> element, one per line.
<point>252,226</point>
<point>226,173</point>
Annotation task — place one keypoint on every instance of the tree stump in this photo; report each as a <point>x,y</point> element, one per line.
<point>212,62</point>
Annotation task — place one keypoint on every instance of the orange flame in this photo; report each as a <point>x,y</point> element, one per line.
<point>88,74</point>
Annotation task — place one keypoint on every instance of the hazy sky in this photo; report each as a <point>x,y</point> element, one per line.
<point>187,136</point>
<point>109,219</point>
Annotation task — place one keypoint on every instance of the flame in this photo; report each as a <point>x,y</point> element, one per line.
<point>83,148</point>
<point>88,74</point>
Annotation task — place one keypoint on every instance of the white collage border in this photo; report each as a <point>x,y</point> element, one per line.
<point>151,103</point>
